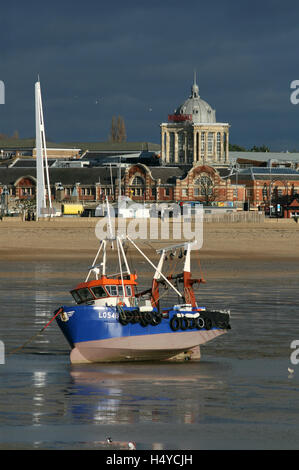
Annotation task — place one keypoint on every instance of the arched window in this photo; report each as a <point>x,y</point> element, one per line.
<point>137,181</point>
<point>137,186</point>
<point>203,186</point>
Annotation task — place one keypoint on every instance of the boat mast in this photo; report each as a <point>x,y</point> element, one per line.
<point>118,243</point>
<point>41,157</point>
<point>93,266</point>
<point>155,284</point>
<point>109,222</point>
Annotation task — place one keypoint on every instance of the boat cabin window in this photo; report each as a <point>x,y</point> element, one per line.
<point>85,294</point>
<point>118,291</point>
<point>99,292</point>
<point>129,291</point>
<point>76,297</point>
<point>82,295</point>
<point>112,290</point>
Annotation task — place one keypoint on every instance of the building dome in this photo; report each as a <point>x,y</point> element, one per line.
<point>200,110</point>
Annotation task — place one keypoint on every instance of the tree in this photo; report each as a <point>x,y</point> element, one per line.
<point>236,148</point>
<point>113,133</point>
<point>121,130</point>
<point>263,148</point>
<point>206,188</point>
<point>15,135</point>
<point>118,130</point>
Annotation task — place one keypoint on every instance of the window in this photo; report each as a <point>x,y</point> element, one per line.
<point>98,292</point>
<point>112,290</point>
<point>120,291</point>
<point>181,146</point>
<point>138,181</point>
<point>166,191</point>
<point>107,191</point>
<point>184,192</point>
<point>171,146</point>
<point>82,295</point>
<point>26,191</point>
<point>203,186</point>
<point>137,192</point>
<point>129,291</point>
<point>76,297</point>
<point>210,143</point>
<point>85,294</point>
<point>218,145</point>
<point>86,191</point>
<point>203,142</point>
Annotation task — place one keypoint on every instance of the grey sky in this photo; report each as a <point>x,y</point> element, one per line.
<point>137,59</point>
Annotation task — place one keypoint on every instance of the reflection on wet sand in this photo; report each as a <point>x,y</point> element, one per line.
<point>140,393</point>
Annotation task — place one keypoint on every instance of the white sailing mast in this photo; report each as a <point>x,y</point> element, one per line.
<point>41,159</point>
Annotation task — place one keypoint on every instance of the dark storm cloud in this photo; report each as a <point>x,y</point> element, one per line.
<point>137,59</point>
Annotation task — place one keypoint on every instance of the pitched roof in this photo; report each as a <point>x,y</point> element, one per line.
<point>267,173</point>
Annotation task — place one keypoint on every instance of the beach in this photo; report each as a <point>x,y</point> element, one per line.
<point>230,249</point>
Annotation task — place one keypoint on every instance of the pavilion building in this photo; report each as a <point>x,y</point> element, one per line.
<point>192,136</point>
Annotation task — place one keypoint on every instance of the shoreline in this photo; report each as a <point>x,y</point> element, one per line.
<point>232,249</point>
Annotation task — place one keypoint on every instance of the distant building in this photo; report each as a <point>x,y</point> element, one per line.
<point>140,182</point>
<point>265,159</point>
<point>268,186</point>
<point>192,136</point>
<point>60,153</point>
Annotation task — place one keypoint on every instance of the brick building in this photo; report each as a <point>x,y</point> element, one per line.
<point>201,183</point>
<point>267,186</point>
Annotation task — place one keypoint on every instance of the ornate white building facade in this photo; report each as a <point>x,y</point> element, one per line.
<point>192,136</point>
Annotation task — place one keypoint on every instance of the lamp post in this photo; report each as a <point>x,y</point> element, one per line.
<point>4,201</point>
<point>270,191</point>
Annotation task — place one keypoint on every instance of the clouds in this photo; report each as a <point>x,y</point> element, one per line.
<point>136,56</point>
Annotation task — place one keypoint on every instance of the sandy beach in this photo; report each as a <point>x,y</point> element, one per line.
<point>263,249</point>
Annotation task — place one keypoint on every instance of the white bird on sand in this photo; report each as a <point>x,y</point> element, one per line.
<point>121,444</point>
<point>291,373</point>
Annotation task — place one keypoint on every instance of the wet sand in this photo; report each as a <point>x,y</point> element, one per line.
<point>239,396</point>
<point>269,249</point>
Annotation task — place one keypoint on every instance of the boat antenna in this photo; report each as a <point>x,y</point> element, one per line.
<point>118,242</point>
<point>111,179</point>
<point>109,223</point>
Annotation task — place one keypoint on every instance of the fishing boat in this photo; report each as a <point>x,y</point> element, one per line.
<point>111,321</point>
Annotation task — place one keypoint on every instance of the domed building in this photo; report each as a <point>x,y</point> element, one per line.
<point>192,135</point>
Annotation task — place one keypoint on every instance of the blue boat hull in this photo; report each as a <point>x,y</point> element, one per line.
<point>96,334</point>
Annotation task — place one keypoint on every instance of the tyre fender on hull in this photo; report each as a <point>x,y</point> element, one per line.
<point>175,323</point>
<point>199,323</point>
